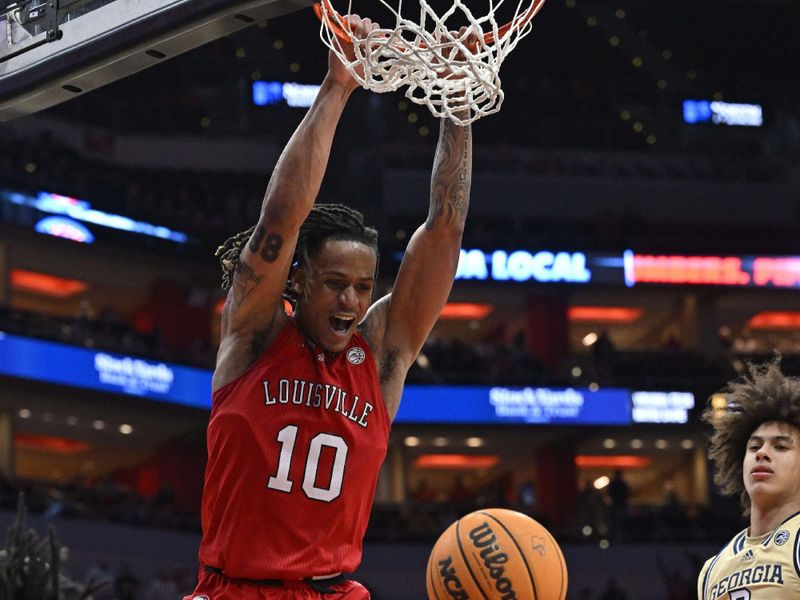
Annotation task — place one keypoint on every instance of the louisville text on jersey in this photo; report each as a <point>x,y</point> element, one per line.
<point>318,395</point>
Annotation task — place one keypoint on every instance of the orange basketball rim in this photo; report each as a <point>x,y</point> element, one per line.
<point>336,23</point>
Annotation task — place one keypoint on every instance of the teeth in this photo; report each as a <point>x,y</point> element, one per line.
<point>341,323</point>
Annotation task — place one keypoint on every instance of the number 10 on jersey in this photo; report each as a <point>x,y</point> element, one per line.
<point>281,481</point>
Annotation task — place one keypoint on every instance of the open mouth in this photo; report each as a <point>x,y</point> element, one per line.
<point>341,324</point>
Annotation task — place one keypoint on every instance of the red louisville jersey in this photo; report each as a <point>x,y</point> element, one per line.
<point>295,445</point>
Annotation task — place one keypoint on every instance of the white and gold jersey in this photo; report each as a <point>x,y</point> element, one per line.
<point>755,568</point>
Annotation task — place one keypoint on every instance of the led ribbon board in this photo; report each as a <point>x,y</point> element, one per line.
<point>104,371</point>
<point>81,210</point>
<point>62,364</point>
<point>743,271</point>
<point>514,405</point>
<point>516,266</point>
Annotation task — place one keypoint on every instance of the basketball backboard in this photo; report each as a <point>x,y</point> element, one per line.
<point>54,50</point>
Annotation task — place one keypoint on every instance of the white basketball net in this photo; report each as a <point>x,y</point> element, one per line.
<point>430,57</point>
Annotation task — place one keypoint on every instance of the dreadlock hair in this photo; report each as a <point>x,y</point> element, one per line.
<point>765,394</point>
<point>325,222</point>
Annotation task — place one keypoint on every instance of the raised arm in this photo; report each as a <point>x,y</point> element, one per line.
<point>253,310</point>
<point>263,266</point>
<point>399,324</point>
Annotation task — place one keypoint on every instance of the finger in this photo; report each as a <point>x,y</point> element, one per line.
<point>354,21</point>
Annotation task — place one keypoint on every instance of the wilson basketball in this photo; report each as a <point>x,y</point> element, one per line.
<point>496,554</point>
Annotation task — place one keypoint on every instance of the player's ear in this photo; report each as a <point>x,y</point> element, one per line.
<point>297,278</point>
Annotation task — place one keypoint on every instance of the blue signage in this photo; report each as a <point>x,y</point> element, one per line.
<point>521,265</point>
<point>66,228</point>
<point>514,405</point>
<point>722,113</point>
<point>267,92</point>
<point>119,374</point>
<point>696,111</point>
<point>297,95</point>
<point>104,371</point>
<point>81,210</point>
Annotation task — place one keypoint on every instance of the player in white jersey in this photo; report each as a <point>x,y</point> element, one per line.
<point>756,451</point>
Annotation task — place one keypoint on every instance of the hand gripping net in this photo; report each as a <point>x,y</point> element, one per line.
<point>429,56</point>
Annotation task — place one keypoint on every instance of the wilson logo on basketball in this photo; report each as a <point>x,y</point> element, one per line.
<point>484,539</point>
<point>452,584</point>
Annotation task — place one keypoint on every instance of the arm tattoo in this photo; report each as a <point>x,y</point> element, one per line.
<point>245,280</point>
<point>452,175</point>
<point>271,247</point>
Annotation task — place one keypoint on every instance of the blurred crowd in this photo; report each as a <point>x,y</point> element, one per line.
<point>209,207</point>
<point>107,330</point>
<point>218,204</point>
<point>102,499</point>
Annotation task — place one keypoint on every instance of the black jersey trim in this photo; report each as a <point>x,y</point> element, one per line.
<point>738,542</point>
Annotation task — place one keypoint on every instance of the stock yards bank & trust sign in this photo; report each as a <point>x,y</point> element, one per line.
<point>133,375</point>
<point>536,404</point>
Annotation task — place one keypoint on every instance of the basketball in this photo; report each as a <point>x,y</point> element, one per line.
<point>496,554</point>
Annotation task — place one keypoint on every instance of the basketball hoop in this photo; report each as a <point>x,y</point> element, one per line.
<point>441,70</point>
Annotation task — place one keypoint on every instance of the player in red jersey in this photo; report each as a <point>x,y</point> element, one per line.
<point>303,404</point>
